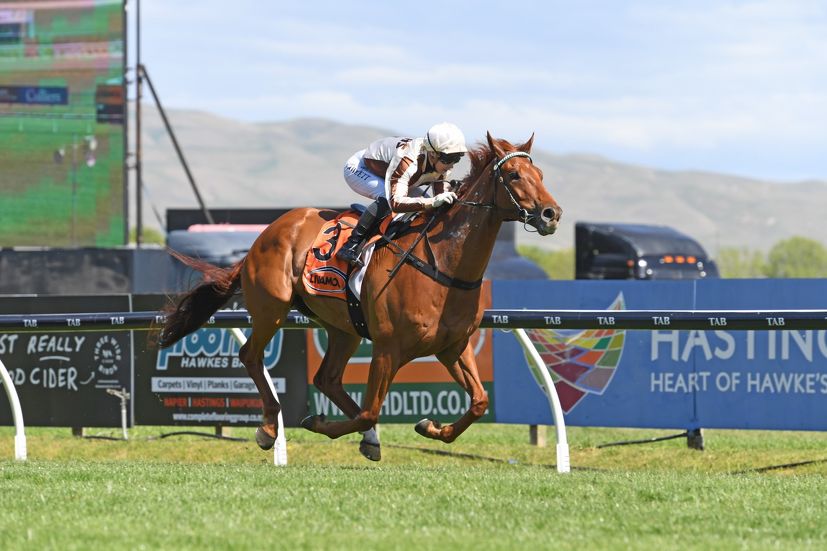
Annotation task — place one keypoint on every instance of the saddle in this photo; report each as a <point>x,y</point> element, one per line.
<point>326,275</point>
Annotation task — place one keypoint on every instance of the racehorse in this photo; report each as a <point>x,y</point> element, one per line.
<point>412,307</point>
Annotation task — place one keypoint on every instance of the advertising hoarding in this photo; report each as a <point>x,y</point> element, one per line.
<point>721,378</point>
<point>62,378</point>
<point>201,381</point>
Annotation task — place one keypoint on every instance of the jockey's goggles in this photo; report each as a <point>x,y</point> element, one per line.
<point>450,158</point>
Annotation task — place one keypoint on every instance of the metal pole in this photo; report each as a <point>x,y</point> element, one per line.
<point>139,215</point>
<point>74,187</point>
<point>125,122</point>
<point>17,413</point>
<point>178,150</point>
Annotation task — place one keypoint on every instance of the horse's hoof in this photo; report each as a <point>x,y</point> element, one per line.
<point>264,440</point>
<point>310,421</point>
<point>371,451</point>
<point>422,427</point>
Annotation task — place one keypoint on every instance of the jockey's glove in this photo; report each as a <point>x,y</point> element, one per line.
<point>444,198</point>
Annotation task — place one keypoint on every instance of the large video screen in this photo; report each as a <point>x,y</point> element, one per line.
<point>62,123</point>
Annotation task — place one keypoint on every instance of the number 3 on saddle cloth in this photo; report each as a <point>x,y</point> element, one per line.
<point>325,275</point>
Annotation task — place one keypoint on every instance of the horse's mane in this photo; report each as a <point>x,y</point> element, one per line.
<point>480,156</point>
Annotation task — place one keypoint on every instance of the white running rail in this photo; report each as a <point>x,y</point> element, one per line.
<point>280,449</point>
<point>563,462</point>
<point>17,413</point>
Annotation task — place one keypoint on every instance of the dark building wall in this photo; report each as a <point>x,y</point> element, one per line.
<point>85,271</point>
<point>92,271</point>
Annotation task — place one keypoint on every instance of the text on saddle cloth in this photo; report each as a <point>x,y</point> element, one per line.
<point>324,274</point>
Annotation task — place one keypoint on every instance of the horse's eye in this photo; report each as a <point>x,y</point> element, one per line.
<point>514,175</point>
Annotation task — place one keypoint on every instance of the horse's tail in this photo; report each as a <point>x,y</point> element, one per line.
<point>196,307</point>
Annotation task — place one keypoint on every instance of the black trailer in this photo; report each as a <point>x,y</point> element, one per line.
<point>638,251</point>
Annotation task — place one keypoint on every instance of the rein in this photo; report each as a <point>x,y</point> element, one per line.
<point>427,268</point>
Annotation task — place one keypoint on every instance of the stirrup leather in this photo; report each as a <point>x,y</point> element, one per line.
<point>350,252</point>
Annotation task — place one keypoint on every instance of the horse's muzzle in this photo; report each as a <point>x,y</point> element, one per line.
<point>548,220</point>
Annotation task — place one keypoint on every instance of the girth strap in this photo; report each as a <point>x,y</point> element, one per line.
<point>354,309</point>
<point>440,277</point>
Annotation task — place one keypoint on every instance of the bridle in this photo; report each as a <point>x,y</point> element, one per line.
<point>522,214</point>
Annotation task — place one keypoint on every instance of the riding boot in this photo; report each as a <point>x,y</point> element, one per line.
<point>365,227</point>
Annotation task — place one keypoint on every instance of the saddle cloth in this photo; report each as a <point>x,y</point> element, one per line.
<point>326,275</point>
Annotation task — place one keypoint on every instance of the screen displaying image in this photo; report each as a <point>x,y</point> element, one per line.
<point>62,123</point>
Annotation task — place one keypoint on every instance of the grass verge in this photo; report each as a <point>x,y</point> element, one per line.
<point>186,492</point>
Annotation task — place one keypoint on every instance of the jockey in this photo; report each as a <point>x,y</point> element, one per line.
<point>390,170</point>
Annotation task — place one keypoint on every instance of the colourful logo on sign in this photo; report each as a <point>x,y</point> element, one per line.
<point>580,362</point>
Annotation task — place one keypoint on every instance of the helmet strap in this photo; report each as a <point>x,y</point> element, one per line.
<point>428,137</point>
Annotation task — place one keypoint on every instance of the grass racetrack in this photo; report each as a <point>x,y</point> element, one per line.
<point>186,492</point>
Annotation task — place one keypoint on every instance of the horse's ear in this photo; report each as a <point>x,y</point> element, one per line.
<point>526,147</point>
<point>495,147</point>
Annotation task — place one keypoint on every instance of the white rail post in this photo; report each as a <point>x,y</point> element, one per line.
<point>563,462</point>
<point>280,449</point>
<point>17,413</point>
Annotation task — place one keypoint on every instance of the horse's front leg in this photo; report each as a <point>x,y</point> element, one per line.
<point>464,371</point>
<point>383,367</point>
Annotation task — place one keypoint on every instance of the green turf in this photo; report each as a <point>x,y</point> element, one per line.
<point>187,492</point>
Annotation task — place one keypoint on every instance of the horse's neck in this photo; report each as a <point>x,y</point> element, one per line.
<point>470,233</point>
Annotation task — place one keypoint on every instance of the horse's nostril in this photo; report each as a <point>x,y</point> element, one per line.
<point>548,214</point>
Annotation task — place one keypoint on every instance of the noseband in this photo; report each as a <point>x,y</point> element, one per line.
<point>522,214</point>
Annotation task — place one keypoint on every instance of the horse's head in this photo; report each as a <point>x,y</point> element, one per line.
<point>520,193</point>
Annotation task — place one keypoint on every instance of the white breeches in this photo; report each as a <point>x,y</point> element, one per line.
<point>361,180</point>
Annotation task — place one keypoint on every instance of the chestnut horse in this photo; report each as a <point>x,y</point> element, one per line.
<point>410,313</point>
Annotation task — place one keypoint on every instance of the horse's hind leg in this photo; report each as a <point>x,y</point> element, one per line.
<point>464,371</point>
<point>265,324</point>
<point>328,379</point>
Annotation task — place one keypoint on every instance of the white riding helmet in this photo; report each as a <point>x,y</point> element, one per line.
<point>445,138</point>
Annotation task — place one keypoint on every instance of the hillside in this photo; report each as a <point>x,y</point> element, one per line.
<point>298,163</point>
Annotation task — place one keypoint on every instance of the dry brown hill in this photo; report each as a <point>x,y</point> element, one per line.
<point>298,163</point>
